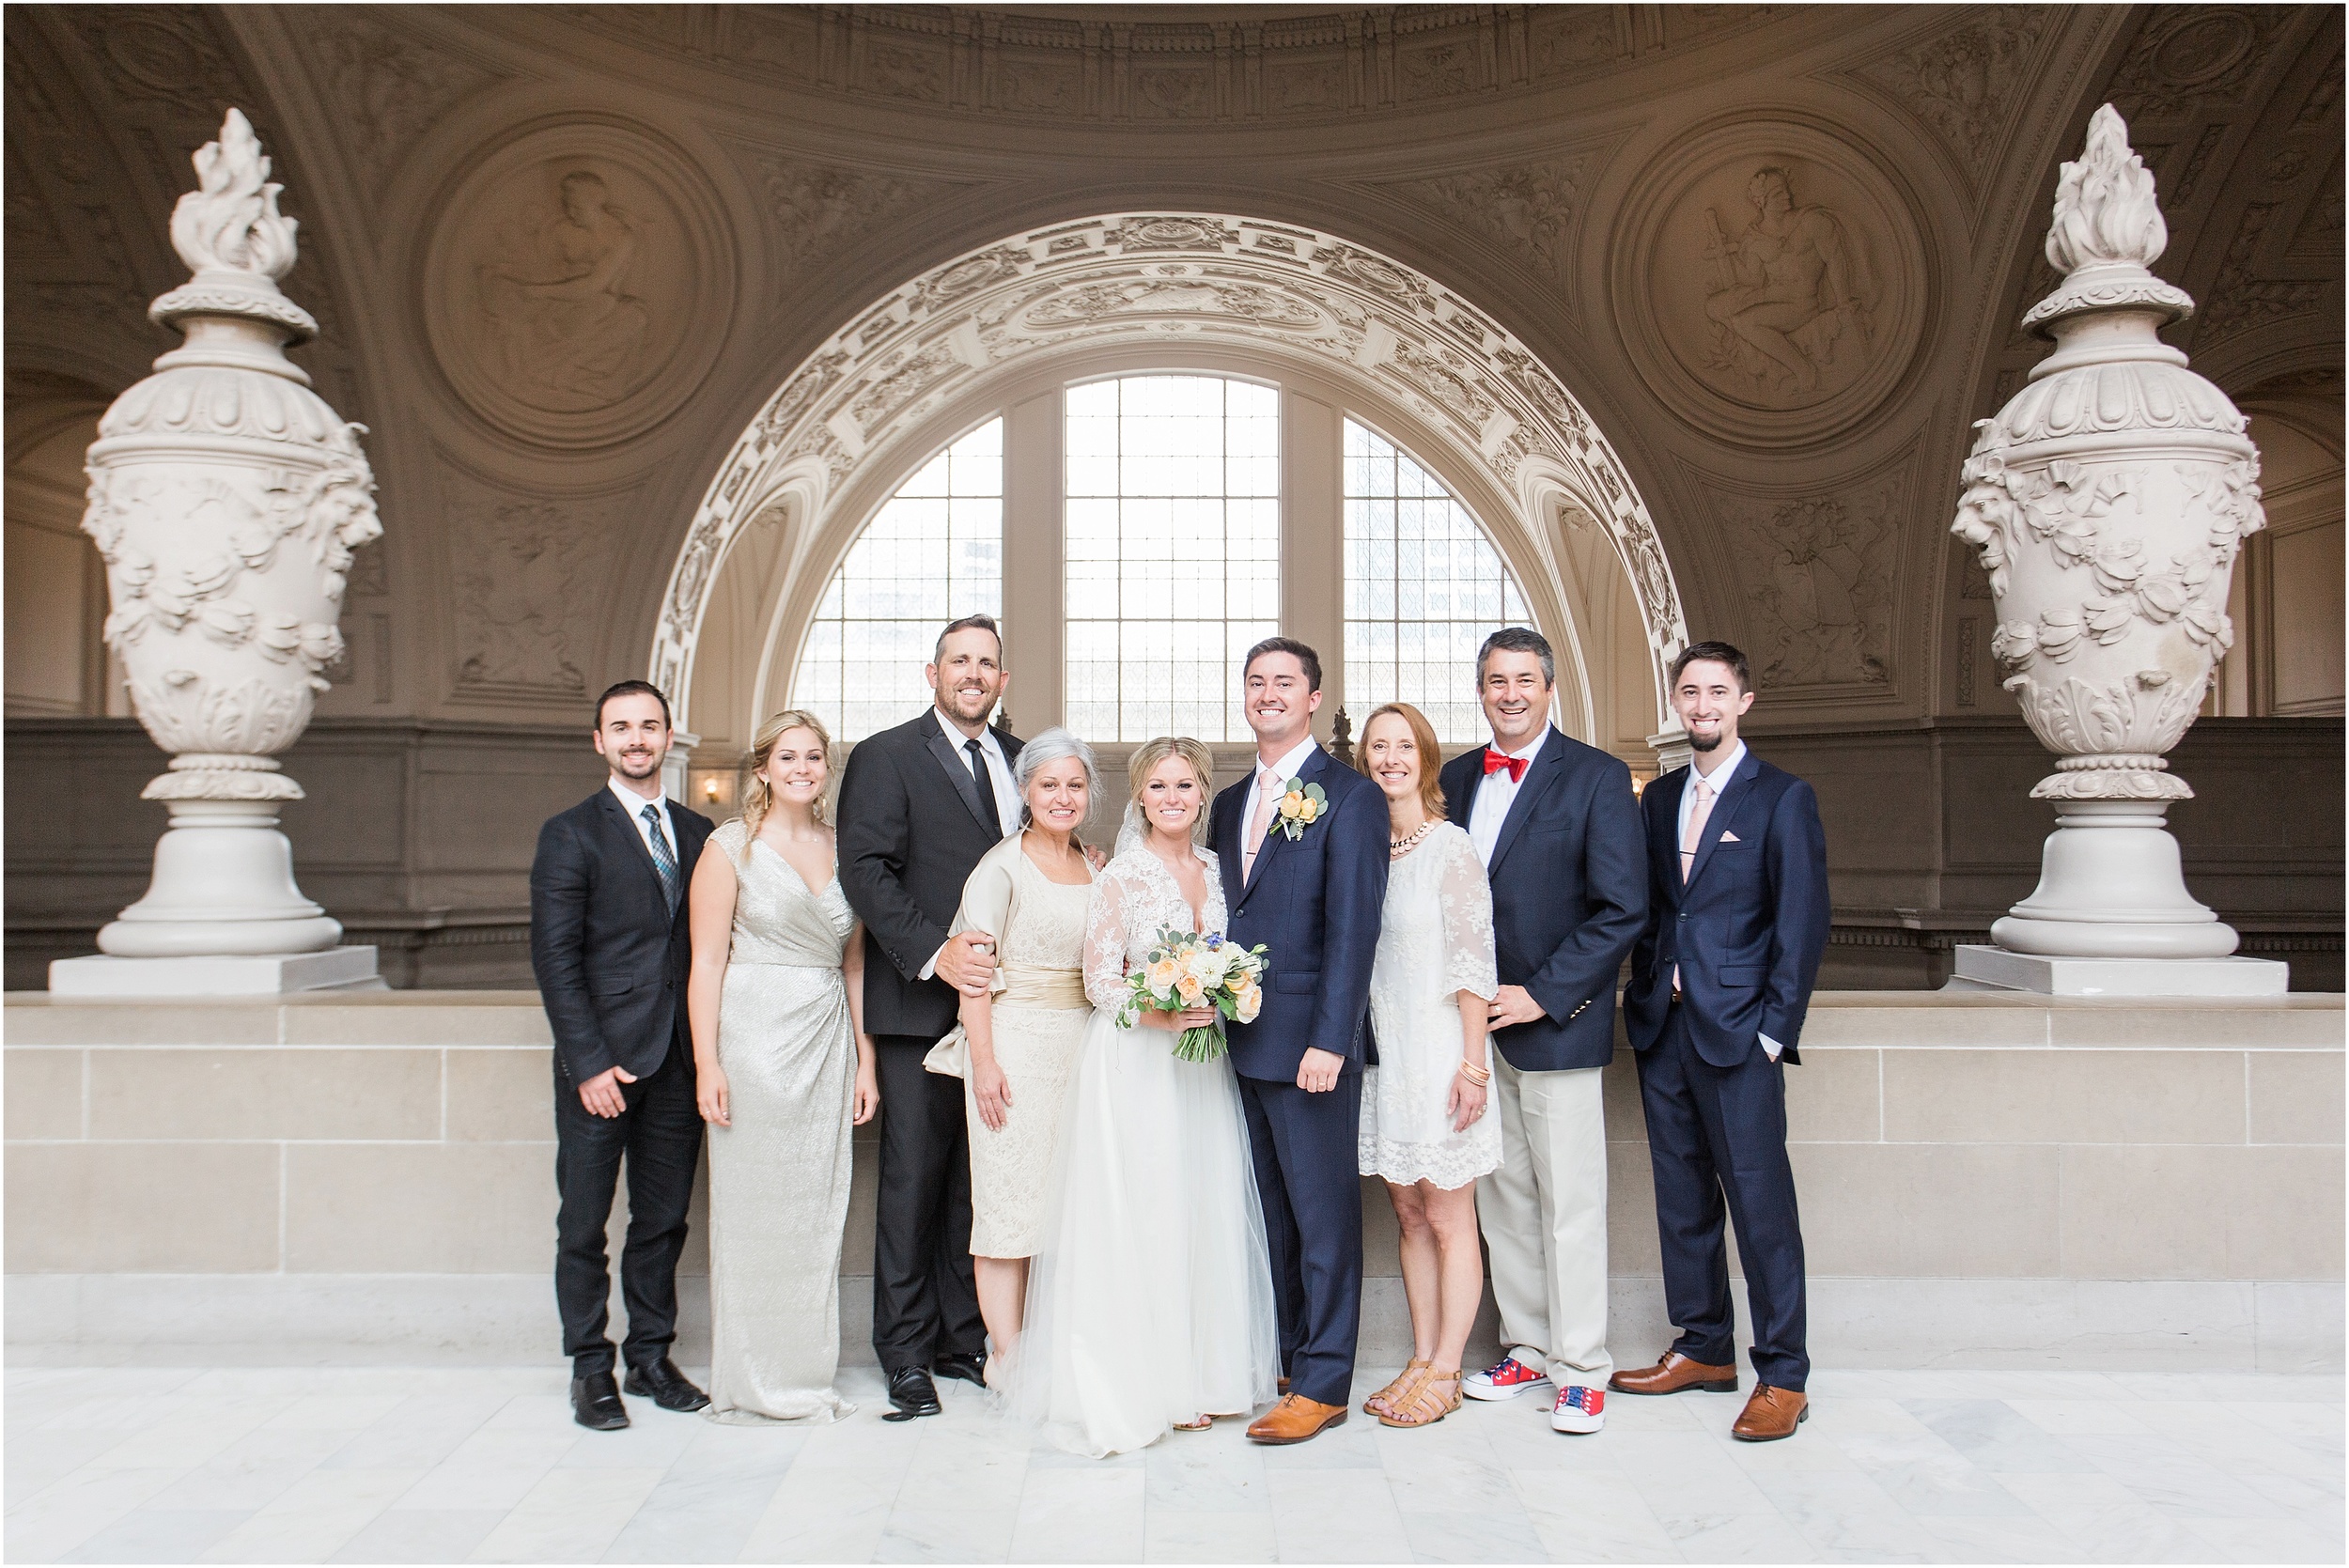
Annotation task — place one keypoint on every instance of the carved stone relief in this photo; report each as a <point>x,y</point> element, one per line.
<point>1777,280</point>
<point>524,569</point>
<point>1962,83</point>
<point>578,285</point>
<point>2195,57</point>
<point>390,88</point>
<point>1818,571</point>
<point>1530,207</point>
<point>2241,298</point>
<point>823,209</point>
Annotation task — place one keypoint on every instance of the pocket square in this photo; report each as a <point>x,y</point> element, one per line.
<point>1728,837</point>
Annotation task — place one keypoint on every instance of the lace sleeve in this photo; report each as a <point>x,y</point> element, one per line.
<point>1467,897</point>
<point>1105,937</point>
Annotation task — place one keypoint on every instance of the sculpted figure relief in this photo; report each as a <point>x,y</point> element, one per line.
<point>554,301</point>
<point>1788,293</point>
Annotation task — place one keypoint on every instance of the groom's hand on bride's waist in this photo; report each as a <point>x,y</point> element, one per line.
<point>1318,1073</point>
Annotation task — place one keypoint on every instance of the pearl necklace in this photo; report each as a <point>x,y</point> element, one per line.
<point>1398,847</point>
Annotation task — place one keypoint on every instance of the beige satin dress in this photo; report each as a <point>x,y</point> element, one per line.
<point>779,1175</point>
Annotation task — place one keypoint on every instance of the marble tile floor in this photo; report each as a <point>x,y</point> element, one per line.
<point>383,1464</point>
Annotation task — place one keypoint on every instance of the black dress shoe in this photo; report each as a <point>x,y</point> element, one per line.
<point>596,1403</point>
<point>661,1382</point>
<point>970,1369</point>
<point>911,1392</point>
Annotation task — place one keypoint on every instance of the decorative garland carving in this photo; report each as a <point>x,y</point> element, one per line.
<point>1191,278</point>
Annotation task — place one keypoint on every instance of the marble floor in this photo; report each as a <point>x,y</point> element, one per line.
<point>147,1464</point>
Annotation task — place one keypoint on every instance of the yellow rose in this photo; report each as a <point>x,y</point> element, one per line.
<point>1189,988</point>
<point>1311,809</point>
<point>1162,976</point>
<point>1248,1004</point>
<point>1293,802</point>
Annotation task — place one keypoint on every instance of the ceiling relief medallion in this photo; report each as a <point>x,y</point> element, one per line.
<point>1775,287</point>
<point>1963,82</point>
<point>579,283</point>
<point>1121,279</point>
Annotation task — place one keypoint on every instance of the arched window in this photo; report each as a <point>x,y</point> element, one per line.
<point>1168,476</point>
<point>1424,587</point>
<point>934,552</point>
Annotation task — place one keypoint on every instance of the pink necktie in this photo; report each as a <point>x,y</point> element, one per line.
<point>1699,808</point>
<point>1268,793</point>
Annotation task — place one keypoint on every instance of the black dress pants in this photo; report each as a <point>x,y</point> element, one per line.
<point>1716,1142</point>
<point>924,1301</point>
<point>660,1135</point>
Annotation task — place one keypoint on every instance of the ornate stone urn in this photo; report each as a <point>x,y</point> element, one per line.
<point>2108,501</point>
<point>225,498</point>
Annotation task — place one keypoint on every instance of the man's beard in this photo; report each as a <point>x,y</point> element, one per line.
<point>638,768</point>
<point>1699,743</point>
<point>955,702</point>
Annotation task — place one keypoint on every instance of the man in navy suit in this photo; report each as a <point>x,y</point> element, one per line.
<point>1310,884</point>
<point>609,944</point>
<point>1558,829</point>
<point>1737,918</point>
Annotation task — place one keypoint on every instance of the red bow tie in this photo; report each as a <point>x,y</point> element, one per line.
<point>1496,761</point>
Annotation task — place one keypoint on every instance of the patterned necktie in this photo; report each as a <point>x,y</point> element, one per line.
<point>988,811</point>
<point>1259,822</point>
<point>1699,808</point>
<point>663,860</point>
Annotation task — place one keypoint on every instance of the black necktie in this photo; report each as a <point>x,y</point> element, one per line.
<point>663,860</point>
<point>987,814</point>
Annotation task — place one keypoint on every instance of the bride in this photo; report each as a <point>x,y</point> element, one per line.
<point>1150,1306</point>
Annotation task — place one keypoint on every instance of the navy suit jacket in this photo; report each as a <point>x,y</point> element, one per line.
<point>1749,925</point>
<point>609,957</point>
<point>1316,904</point>
<point>1569,878</point>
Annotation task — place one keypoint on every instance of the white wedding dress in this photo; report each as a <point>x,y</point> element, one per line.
<point>1151,1302</point>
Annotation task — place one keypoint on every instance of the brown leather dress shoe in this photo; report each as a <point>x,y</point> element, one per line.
<point>1674,1372</point>
<point>1771,1414</point>
<point>1295,1419</point>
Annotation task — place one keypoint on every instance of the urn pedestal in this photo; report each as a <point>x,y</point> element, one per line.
<point>2108,501</point>
<point>225,498</point>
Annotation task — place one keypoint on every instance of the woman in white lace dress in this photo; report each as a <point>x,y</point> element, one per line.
<point>784,1070</point>
<point>1032,893</point>
<point>1150,1304</point>
<point>1423,1126</point>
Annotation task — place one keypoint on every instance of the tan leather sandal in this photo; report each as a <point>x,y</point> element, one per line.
<point>1383,1401</point>
<point>1426,1401</point>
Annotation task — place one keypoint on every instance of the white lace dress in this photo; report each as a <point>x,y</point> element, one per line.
<point>1434,941</point>
<point>1151,1299</point>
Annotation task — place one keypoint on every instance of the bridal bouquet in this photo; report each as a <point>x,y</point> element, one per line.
<point>1184,970</point>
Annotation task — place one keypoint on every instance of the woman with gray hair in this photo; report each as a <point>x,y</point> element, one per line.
<point>1016,1046</point>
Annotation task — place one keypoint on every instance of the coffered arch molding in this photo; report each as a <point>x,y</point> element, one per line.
<point>1189,288</point>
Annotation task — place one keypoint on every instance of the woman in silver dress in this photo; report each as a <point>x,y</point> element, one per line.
<point>1029,893</point>
<point>1423,1126</point>
<point>784,1069</point>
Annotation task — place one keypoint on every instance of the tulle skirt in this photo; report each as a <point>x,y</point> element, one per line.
<point>1151,1300</point>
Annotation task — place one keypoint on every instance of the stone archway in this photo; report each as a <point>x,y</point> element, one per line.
<point>1180,282</point>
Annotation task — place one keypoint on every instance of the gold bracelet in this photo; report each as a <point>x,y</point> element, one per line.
<point>1474,1074</point>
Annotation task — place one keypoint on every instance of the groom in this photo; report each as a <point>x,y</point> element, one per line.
<point>1307,878</point>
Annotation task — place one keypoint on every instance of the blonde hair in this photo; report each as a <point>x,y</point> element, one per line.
<point>759,796</point>
<point>1423,743</point>
<point>1150,753</point>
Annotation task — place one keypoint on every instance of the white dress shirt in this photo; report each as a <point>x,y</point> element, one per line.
<point>1716,779</point>
<point>998,773</point>
<point>1495,795</point>
<point>1283,771</point>
<point>632,805</point>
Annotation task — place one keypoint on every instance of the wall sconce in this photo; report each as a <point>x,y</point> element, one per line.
<point>1639,785</point>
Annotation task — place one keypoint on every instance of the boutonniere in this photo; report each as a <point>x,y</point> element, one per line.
<point>1302,805</point>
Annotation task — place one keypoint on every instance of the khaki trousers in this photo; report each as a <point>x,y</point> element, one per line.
<point>1544,1214</point>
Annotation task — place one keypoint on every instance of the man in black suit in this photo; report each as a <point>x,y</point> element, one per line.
<point>918,807</point>
<point>1720,980</point>
<point>1558,827</point>
<point>609,945</point>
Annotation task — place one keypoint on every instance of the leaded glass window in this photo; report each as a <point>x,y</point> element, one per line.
<point>1424,588</point>
<point>1172,550</point>
<point>933,553</point>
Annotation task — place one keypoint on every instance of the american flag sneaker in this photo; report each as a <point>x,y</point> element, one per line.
<point>1504,1379</point>
<point>1579,1409</point>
